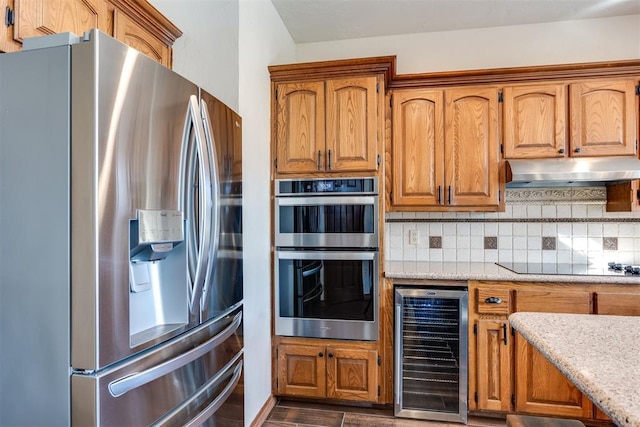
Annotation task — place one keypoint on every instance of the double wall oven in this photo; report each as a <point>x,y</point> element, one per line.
<point>327,258</point>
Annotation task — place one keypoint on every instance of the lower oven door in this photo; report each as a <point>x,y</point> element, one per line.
<point>327,294</point>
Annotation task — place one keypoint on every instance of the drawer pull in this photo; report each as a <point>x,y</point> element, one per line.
<point>493,300</point>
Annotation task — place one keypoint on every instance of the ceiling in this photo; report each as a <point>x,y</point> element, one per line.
<point>326,20</point>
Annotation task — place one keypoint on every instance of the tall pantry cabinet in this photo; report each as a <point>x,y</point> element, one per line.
<point>328,121</point>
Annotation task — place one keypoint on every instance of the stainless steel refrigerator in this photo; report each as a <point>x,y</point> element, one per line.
<point>120,241</point>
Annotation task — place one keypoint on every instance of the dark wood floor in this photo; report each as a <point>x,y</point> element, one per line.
<point>302,414</point>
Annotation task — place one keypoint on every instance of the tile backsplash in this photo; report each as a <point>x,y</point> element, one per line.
<point>565,225</point>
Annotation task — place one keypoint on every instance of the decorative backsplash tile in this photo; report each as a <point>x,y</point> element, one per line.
<point>538,225</point>
<point>435,242</point>
<point>610,243</point>
<point>548,243</point>
<point>491,242</point>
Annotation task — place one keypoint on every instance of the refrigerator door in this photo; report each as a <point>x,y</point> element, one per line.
<point>131,120</point>
<point>223,128</point>
<point>195,379</point>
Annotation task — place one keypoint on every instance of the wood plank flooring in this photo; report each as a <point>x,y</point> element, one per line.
<point>303,414</point>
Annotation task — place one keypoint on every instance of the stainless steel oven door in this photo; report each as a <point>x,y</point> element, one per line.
<point>327,294</point>
<point>327,221</point>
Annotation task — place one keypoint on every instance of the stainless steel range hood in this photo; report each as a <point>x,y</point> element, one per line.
<point>571,171</point>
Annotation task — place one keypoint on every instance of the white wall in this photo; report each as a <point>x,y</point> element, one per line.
<point>521,45</point>
<point>263,41</point>
<point>207,52</point>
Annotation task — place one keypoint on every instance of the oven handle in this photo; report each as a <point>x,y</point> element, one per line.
<point>320,255</point>
<point>326,200</point>
<point>314,293</point>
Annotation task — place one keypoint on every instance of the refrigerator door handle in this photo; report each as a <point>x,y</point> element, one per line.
<point>218,401</point>
<point>125,384</point>
<point>205,188</point>
<point>215,194</point>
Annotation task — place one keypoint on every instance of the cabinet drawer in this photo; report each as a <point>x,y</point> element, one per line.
<point>493,301</point>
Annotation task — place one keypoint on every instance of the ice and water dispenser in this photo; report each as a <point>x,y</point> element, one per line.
<point>158,295</point>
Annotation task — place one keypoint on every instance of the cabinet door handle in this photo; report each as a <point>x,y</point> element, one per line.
<point>439,194</point>
<point>504,333</point>
<point>561,151</point>
<point>449,198</point>
<point>319,155</point>
<point>329,163</point>
<point>330,355</point>
<point>321,354</point>
<point>493,300</point>
<point>577,150</point>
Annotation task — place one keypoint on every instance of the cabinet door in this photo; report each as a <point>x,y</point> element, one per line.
<point>133,34</point>
<point>351,119</point>
<point>418,147</point>
<point>623,197</point>
<point>603,118</point>
<point>301,370</point>
<point>535,121</point>
<point>540,387</point>
<point>493,365</point>
<point>41,17</point>
<point>471,147</point>
<point>300,133</point>
<point>352,374</point>
<point>7,40</point>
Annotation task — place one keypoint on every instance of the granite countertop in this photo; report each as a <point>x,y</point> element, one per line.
<point>599,354</point>
<point>423,270</point>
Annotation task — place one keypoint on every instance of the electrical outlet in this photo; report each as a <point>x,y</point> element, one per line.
<point>414,237</point>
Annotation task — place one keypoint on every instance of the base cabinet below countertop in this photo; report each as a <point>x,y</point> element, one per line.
<point>506,374</point>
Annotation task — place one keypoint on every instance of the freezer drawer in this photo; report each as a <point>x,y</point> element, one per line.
<point>195,379</point>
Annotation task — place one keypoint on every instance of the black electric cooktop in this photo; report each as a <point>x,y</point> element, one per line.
<point>613,269</point>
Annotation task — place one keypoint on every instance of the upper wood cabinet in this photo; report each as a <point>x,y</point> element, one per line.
<point>132,33</point>
<point>418,147</point>
<point>535,119</point>
<point>600,117</point>
<point>604,118</point>
<point>134,22</point>
<point>41,17</point>
<point>445,148</point>
<point>327,126</point>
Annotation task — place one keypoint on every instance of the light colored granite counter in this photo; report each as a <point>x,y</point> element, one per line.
<point>599,354</point>
<point>423,270</point>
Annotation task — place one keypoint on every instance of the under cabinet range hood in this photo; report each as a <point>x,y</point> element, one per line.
<point>571,171</point>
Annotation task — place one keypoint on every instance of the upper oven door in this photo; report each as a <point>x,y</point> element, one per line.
<point>327,221</point>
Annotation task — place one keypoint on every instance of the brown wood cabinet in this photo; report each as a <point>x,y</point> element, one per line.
<point>341,371</point>
<point>623,197</point>
<point>535,118</point>
<point>506,374</point>
<point>494,364</point>
<point>492,349</point>
<point>445,148</point>
<point>601,115</point>
<point>328,126</point>
<point>540,387</point>
<point>134,22</point>
<point>604,118</point>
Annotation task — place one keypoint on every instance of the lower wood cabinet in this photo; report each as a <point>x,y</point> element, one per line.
<point>506,373</point>
<point>540,387</point>
<point>337,371</point>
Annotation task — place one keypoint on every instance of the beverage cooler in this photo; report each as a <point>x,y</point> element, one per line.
<point>430,367</point>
